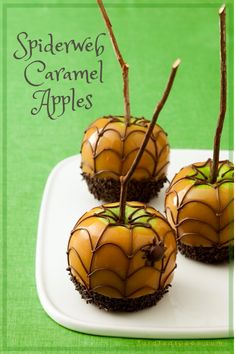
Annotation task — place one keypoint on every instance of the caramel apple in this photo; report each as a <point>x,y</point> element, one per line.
<point>122,267</point>
<point>110,145</point>
<point>121,256</point>
<point>108,150</point>
<point>199,201</point>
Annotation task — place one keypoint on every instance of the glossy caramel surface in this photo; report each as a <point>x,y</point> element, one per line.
<point>114,260</point>
<point>202,213</point>
<point>109,148</point>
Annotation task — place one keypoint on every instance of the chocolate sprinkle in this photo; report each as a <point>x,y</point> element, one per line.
<point>209,255</point>
<point>108,189</point>
<point>119,304</point>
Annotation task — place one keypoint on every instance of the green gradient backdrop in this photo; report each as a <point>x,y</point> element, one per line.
<point>151,35</point>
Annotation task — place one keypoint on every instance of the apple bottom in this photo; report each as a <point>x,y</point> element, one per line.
<point>119,304</point>
<point>108,189</point>
<point>207,254</point>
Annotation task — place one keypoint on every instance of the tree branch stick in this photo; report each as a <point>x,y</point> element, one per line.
<point>223,94</point>
<point>124,66</point>
<point>124,180</point>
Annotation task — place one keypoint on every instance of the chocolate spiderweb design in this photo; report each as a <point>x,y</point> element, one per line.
<point>157,152</point>
<point>103,162</point>
<point>204,228</point>
<point>130,275</point>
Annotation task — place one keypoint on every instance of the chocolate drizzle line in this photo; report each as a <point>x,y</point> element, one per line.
<point>223,88</point>
<point>124,180</point>
<point>124,66</point>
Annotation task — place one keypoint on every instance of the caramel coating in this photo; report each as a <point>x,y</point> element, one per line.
<point>109,147</point>
<point>122,261</point>
<point>202,213</point>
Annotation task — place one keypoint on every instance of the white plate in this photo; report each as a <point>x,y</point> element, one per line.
<point>197,305</point>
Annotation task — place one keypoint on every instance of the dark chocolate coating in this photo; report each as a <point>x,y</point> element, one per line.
<point>119,305</point>
<point>209,255</point>
<point>108,189</point>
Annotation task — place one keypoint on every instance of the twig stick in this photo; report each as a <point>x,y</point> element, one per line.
<point>124,66</point>
<point>223,94</point>
<point>124,180</point>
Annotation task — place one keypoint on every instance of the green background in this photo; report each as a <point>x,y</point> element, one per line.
<point>151,35</point>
